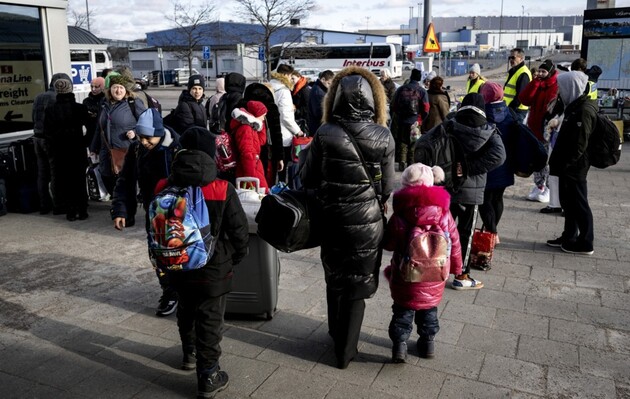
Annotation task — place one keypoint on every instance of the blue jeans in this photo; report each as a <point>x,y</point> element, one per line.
<point>402,322</point>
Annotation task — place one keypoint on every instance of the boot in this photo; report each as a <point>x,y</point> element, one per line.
<point>399,352</point>
<point>189,361</point>
<point>209,383</point>
<point>426,346</point>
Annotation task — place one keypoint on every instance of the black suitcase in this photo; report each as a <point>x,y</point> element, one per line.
<point>22,195</point>
<point>23,158</point>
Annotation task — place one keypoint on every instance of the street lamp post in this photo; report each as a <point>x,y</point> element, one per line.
<point>500,25</point>
<point>522,21</point>
<point>87,14</point>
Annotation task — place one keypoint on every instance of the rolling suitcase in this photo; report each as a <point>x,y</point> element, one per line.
<point>22,195</point>
<point>256,278</point>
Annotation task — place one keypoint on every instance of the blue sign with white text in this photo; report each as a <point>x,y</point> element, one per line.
<point>206,52</point>
<point>261,53</point>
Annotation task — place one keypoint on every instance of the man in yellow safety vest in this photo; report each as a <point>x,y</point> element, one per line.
<point>518,77</point>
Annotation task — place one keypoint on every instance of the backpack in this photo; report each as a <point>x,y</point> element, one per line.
<point>604,144</point>
<point>152,103</point>
<point>425,258</point>
<point>226,156</point>
<point>526,152</point>
<point>408,101</point>
<point>439,147</point>
<point>218,116</point>
<point>179,235</point>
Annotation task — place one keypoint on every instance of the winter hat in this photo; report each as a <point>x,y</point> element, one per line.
<point>416,75</point>
<point>63,86</point>
<point>198,138</point>
<point>115,78</point>
<point>256,108</point>
<point>418,174</point>
<point>220,83</point>
<point>195,80</point>
<point>100,82</point>
<point>547,66</point>
<point>472,113</point>
<point>475,68</point>
<point>491,92</point>
<point>150,124</point>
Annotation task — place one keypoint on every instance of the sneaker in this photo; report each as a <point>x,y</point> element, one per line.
<point>209,385</point>
<point>482,263</point>
<point>465,282</point>
<point>576,247</point>
<point>543,195</point>
<point>533,194</point>
<point>551,209</point>
<point>189,361</point>
<point>555,243</point>
<point>399,352</point>
<point>426,346</point>
<point>167,305</point>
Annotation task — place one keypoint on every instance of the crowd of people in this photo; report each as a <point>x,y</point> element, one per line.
<point>362,128</point>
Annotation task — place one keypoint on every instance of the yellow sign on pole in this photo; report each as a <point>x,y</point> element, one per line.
<point>431,44</point>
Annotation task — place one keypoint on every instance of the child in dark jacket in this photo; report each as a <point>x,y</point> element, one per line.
<point>147,161</point>
<point>421,204</point>
<point>202,292</point>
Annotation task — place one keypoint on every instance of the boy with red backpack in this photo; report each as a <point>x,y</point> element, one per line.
<point>423,236</point>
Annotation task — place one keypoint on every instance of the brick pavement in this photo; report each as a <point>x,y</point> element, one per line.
<point>77,318</point>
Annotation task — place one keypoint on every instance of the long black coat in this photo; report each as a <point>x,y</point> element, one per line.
<point>189,113</point>
<point>351,253</point>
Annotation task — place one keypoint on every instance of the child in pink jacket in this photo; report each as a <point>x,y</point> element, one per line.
<point>418,203</point>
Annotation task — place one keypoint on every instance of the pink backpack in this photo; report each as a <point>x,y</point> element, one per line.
<point>425,260</point>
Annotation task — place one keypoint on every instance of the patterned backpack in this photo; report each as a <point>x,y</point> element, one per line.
<point>179,235</point>
<point>425,260</point>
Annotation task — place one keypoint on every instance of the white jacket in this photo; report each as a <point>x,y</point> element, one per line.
<point>288,126</point>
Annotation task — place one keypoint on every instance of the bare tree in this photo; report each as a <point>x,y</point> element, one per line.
<point>191,29</point>
<point>79,19</point>
<point>274,15</point>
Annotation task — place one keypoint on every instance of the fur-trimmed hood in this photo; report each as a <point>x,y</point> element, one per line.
<point>240,116</point>
<point>356,99</point>
<point>422,205</point>
<point>282,79</point>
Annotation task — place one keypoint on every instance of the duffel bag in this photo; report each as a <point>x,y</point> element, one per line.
<point>290,220</point>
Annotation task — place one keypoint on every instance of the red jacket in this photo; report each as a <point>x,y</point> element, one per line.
<point>248,143</point>
<point>418,206</point>
<point>537,95</point>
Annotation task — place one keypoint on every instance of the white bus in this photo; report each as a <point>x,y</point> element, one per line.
<point>373,56</point>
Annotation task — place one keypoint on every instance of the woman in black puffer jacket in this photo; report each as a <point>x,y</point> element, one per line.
<point>351,248</point>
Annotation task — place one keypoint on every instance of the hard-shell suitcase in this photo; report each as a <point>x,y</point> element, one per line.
<point>22,195</point>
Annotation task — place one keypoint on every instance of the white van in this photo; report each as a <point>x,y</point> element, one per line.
<point>181,76</point>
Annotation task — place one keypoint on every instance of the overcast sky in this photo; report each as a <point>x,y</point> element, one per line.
<point>131,19</point>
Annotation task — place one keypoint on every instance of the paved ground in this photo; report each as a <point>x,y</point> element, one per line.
<point>77,318</point>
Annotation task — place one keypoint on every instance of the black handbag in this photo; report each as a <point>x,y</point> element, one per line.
<point>290,220</point>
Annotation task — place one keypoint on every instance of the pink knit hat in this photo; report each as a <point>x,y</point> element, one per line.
<point>418,174</point>
<point>491,92</point>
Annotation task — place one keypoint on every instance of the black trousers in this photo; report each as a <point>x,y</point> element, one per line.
<point>345,317</point>
<point>200,322</point>
<point>466,217</point>
<point>492,208</point>
<point>578,218</point>
<point>401,326</point>
<point>44,175</point>
<point>288,160</point>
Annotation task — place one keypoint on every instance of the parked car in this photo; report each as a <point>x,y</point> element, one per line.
<point>311,74</point>
<point>408,65</point>
<point>181,76</point>
<point>142,83</point>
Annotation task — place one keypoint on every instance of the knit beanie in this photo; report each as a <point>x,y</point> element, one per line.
<point>548,66</point>
<point>100,82</point>
<point>475,68</point>
<point>416,75</point>
<point>198,138</point>
<point>150,124</point>
<point>63,86</point>
<point>256,108</point>
<point>418,174</point>
<point>472,113</point>
<point>195,80</point>
<point>491,92</point>
<point>115,78</point>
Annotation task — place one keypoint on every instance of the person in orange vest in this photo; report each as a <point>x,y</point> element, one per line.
<point>518,77</point>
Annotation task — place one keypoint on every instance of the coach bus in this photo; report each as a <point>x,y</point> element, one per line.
<point>373,56</point>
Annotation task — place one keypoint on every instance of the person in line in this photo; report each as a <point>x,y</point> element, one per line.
<point>475,80</point>
<point>351,252</point>
<point>518,78</point>
<point>498,179</point>
<point>148,160</point>
<point>419,203</point>
<point>569,161</point>
<point>316,101</point>
<point>388,84</point>
<point>410,106</point>
<point>93,103</point>
<point>271,152</point>
<point>483,151</point>
<point>214,99</point>
<point>439,104</point>
<point>593,74</point>
<point>202,292</point>
<point>45,164</point>
<point>63,129</point>
<point>234,88</point>
<point>300,95</point>
<point>250,134</point>
<point>538,95</point>
<point>282,86</point>
<point>190,110</point>
<point>115,125</point>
